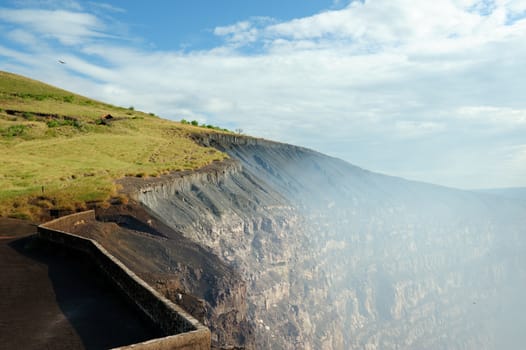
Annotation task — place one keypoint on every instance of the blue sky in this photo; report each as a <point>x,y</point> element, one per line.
<point>189,25</point>
<point>427,90</point>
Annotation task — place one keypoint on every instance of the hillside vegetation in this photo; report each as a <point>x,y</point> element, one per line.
<point>59,150</point>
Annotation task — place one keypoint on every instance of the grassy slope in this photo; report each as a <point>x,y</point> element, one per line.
<point>65,158</point>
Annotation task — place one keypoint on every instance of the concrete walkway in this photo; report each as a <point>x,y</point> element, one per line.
<point>55,299</point>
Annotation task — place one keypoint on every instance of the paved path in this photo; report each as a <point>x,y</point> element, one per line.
<point>54,299</point>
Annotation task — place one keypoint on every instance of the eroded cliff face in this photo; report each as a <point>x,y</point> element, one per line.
<point>334,256</point>
<point>182,270</point>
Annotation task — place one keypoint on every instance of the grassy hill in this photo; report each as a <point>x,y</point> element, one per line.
<point>61,150</point>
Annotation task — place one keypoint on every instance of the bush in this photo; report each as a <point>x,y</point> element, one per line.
<point>28,116</point>
<point>208,126</point>
<point>15,130</point>
<point>54,123</point>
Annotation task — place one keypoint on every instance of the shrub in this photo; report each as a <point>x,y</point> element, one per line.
<point>194,123</point>
<point>65,122</point>
<point>15,130</point>
<point>52,124</point>
<point>28,116</point>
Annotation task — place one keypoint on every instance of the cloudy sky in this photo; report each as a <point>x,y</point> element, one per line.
<point>431,90</point>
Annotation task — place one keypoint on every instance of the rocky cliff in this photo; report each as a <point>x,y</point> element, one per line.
<point>326,255</point>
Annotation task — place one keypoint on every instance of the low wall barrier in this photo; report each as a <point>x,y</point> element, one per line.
<point>183,331</point>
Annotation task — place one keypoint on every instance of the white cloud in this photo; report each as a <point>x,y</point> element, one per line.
<point>68,27</point>
<point>107,7</point>
<point>382,25</point>
<point>515,7</point>
<point>416,129</point>
<point>496,116</point>
<point>49,4</point>
<point>23,37</point>
<point>517,160</point>
<point>241,32</point>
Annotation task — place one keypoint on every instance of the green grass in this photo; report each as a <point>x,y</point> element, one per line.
<point>57,152</point>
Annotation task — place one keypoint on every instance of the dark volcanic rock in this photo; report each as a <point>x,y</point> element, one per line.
<point>323,254</point>
<point>186,272</point>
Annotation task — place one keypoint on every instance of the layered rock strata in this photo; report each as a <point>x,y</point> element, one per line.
<point>334,256</point>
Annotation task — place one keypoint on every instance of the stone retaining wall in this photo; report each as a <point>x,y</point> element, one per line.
<point>183,331</point>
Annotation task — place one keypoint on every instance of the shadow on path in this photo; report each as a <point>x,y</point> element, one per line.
<point>53,298</point>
